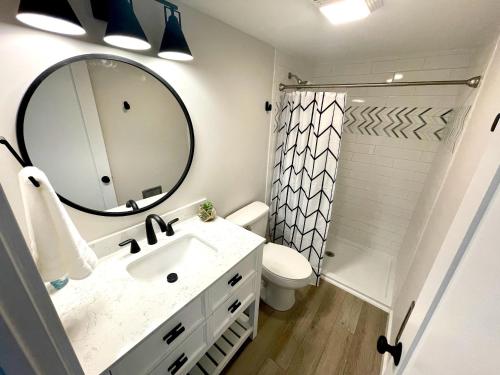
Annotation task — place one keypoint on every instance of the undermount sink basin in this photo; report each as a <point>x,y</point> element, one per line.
<point>183,256</point>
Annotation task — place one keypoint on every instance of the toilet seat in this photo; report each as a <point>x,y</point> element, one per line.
<point>285,266</point>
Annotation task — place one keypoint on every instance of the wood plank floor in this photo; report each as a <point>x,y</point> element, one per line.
<point>328,331</point>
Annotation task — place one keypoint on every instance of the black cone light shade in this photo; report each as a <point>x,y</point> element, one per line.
<point>173,44</point>
<point>51,15</point>
<point>123,28</point>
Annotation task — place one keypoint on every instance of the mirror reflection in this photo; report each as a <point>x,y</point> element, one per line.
<point>109,135</point>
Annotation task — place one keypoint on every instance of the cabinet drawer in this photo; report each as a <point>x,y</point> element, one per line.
<point>230,309</point>
<point>161,342</point>
<point>185,356</point>
<point>231,281</point>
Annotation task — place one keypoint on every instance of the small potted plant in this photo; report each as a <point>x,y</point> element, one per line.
<point>206,211</point>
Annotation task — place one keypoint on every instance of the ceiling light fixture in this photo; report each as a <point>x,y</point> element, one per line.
<point>343,11</point>
<point>173,45</point>
<point>55,16</point>
<point>124,30</point>
<point>389,80</point>
<point>398,76</point>
<point>358,100</point>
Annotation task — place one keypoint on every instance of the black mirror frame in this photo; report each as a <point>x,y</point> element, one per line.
<point>34,85</point>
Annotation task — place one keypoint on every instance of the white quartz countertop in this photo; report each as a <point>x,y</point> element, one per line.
<point>108,313</point>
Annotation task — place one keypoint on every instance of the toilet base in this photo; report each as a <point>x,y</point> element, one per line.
<point>278,298</point>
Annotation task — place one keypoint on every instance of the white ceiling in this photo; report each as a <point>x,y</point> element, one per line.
<point>400,27</point>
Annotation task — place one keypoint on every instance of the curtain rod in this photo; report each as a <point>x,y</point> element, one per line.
<point>471,82</point>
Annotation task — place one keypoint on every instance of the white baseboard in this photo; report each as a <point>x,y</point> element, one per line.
<point>354,292</point>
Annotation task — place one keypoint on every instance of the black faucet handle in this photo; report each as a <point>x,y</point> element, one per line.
<point>134,246</point>
<point>170,230</point>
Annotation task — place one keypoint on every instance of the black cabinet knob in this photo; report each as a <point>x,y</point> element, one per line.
<point>395,350</point>
<point>105,179</point>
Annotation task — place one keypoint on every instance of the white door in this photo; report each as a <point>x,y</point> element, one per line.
<point>75,125</point>
<point>463,335</point>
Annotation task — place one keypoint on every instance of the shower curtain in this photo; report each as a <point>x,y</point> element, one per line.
<point>309,127</point>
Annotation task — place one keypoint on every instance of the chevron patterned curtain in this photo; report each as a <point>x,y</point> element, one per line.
<point>309,127</point>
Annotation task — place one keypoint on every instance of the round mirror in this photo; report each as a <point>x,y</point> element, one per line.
<point>112,136</point>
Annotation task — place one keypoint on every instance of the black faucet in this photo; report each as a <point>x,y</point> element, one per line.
<point>134,246</point>
<point>132,204</point>
<point>170,230</point>
<point>150,231</point>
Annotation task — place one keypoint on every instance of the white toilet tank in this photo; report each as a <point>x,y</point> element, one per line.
<point>252,217</point>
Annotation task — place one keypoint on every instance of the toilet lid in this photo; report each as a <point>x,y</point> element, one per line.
<point>285,262</point>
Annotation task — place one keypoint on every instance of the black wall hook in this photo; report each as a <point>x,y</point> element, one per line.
<point>126,105</point>
<point>268,107</point>
<point>6,143</point>
<point>395,350</point>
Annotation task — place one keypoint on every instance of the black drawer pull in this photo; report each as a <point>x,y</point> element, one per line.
<point>179,362</point>
<point>174,333</point>
<point>235,279</point>
<point>235,305</point>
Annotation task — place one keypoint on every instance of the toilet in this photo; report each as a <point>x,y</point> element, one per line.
<point>283,269</point>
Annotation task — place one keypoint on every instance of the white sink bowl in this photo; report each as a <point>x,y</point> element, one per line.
<point>184,256</point>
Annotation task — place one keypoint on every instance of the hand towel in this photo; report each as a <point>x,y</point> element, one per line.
<point>56,245</point>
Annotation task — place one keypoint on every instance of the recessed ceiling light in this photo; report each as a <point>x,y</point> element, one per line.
<point>343,11</point>
<point>398,76</point>
<point>389,80</point>
<point>358,100</point>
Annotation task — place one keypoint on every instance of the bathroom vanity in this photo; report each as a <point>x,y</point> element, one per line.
<point>126,318</point>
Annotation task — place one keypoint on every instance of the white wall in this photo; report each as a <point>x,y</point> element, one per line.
<point>224,89</point>
<point>283,64</point>
<point>381,177</point>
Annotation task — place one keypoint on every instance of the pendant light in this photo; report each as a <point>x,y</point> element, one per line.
<point>174,45</point>
<point>55,15</point>
<point>124,30</point>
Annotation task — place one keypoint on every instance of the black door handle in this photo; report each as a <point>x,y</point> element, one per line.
<point>395,350</point>
<point>174,333</point>
<point>178,363</point>
<point>234,306</point>
<point>235,279</point>
<point>495,123</point>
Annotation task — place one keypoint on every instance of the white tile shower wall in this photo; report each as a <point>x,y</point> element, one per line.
<point>380,179</point>
<point>378,184</point>
<point>443,65</point>
<point>448,179</point>
<point>437,174</point>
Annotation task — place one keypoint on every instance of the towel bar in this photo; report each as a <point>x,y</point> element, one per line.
<point>18,158</point>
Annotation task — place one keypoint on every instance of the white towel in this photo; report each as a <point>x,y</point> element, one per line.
<point>56,245</point>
